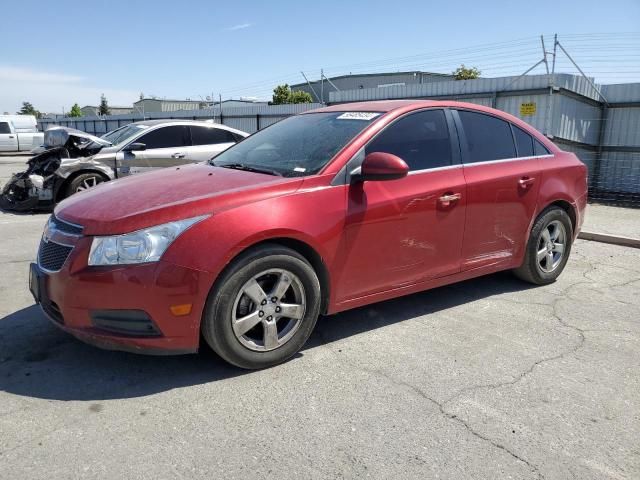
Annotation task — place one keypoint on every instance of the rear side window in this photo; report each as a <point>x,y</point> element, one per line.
<point>4,127</point>
<point>488,138</point>
<point>166,137</point>
<point>210,136</point>
<point>539,149</point>
<point>421,139</point>
<point>524,142</point>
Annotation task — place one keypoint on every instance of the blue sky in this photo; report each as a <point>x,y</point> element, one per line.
<point>58,53</point>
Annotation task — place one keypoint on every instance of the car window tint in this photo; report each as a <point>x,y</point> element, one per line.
<point>488,138</point>
<point>539,149</point>
<point>421,139</point>
<point>210,136</point>
<point>4,127</point>
<point>524,142</point>
<point>165,137</point>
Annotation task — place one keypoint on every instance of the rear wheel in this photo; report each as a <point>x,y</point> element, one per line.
<point>83,182</point>
<point>548,247</point>
<point>263,309</point>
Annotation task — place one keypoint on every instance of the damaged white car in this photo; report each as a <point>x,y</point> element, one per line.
<point>71,161</point>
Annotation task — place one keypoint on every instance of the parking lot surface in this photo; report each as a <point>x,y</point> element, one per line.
<point>489,378</point>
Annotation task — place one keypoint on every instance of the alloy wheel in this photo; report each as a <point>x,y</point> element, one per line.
<point>551,246</point>
<point>88,183</point>
<point>268,310</point>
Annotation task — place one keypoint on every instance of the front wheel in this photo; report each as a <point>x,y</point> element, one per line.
<point>83,182</point>
<point>263,309</point>
<point>548,247</point>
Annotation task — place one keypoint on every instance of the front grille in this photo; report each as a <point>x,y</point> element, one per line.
<point>52,256</point>
<point>65,226</point>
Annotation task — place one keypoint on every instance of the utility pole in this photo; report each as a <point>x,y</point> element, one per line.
<point>322,85</point>
<point>309,84</point>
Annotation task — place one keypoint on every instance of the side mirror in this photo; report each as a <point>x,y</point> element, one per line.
<point>380,166</point>
<point>134,147</point>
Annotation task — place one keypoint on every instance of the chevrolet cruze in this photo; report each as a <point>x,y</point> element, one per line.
<point>322,212</point>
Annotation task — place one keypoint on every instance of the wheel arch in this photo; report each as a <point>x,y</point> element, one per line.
<point>299,246</point>
<point>62,187</point>
<point>568,207</point>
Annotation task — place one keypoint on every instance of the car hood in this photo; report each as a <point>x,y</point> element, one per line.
<point>148,199</point>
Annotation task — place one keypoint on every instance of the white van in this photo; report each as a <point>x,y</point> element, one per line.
<point>19,133</point>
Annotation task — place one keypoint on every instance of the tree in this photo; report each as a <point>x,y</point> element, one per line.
<point>282,94</point>
<point>75,111</point>
<point>104,106</point>
<point>464,73</point>
<point>299,96</point>
<point>28,109</point>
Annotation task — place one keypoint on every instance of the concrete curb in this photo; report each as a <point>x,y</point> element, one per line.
<point>613,239</point>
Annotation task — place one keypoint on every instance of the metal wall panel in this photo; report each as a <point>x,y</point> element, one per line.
<point>576,120</point>
<point>622,92</point>
<point>513,105</point>
<point>622,127</point>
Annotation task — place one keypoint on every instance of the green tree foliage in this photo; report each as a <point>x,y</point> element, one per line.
<point>75,111</point>
<point>28,109</point>
<point>298,96</point>
<point>104,106</point>
<point>282,94</point>
<point>466,73</point>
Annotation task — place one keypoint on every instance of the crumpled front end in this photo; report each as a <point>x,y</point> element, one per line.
<point>36,187</point>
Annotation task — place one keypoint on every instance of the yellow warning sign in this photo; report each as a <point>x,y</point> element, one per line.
<point>527,109</point>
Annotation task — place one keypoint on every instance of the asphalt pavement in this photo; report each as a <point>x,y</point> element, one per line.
<point>486,379</point>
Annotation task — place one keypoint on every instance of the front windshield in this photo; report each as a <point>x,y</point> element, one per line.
<point>296,146</point>
<point>122,134</point>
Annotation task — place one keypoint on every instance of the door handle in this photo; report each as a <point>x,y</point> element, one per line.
<point>10,136</point>
<point>449,198</point>
<point>178,155</point>
<point>526,182</point>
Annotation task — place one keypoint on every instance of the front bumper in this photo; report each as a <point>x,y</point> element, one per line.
<point>88,301</point>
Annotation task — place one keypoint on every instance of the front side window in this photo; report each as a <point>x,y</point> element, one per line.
<point>4,127</point>
<point>166,137</point>
<point>210,136</point>
<point>524,142</point>
<point>420,139</point>
<point>488,138</point>
<point>297,146</point>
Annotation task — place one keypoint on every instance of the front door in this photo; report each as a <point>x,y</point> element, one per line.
<point>166,146</point>
<point>401,232</point>
<point>502,188</point>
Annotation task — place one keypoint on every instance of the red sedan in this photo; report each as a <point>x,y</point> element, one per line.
<point>322,212</point>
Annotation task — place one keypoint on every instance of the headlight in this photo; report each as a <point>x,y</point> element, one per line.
<point>142,246</point>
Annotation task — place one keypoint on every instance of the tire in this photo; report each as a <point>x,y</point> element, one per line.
<point>82,182</point>
<point>266,266</point>
<point>541,265</point>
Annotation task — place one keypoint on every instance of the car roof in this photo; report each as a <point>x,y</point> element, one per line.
<point>152,123</point>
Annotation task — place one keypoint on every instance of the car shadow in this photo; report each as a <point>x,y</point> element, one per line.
<point>38,360</point>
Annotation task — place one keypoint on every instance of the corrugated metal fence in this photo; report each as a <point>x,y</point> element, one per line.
<point>248,119</point>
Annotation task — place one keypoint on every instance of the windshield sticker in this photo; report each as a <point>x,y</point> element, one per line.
<point>358,116</point>
<point>299,169</point>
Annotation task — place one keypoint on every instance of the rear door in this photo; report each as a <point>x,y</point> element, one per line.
<point>166,146</point>
<point>503,179</point>
<point>207,142</point>
<point>8,139</point>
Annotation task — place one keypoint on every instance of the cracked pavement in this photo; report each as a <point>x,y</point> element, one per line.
<point>489,378</point>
